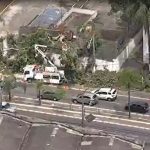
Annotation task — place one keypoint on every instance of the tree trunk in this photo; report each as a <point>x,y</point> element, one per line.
<point>146,41</point>
<point>9,96</point>
<point>39,93</point>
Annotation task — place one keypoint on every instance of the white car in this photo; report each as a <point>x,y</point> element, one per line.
<point>108,94</point>
<point>7,107</point>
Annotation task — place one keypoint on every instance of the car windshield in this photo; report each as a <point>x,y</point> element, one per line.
<point>146,105</point>
<point>26,72</point>
<point>6,106</point>
<point>94,96</point>
<point>114,92</point>
<point>96,91</point>
<point>46,76</point>
<point>55,77</point>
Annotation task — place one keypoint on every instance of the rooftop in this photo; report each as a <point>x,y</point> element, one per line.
<point>50,16</point>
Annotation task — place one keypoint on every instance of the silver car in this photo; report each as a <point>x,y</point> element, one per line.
<point>86,98</point>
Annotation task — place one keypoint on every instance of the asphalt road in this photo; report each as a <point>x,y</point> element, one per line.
<point>118,105</point>
<point>134,134</point>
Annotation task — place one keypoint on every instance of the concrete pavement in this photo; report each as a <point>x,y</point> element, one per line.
<point>57,136</point>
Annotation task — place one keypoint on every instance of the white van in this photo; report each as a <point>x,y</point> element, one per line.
<point>52,78</point>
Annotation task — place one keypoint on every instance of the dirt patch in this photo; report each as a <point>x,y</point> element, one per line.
<point>76,20</point>
<point>4,4</point>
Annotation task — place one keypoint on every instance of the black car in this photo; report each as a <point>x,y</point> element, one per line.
<point>139,107</point>
<point>86,98</point>
<point>50,95</point>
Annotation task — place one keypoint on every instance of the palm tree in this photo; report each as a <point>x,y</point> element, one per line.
<point>9,83</point>
<point>39,86</point>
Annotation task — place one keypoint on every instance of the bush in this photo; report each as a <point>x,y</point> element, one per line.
<point>99,79</point>
<point>60,93</point>
<point>112,79</point>
<point>130,76</point>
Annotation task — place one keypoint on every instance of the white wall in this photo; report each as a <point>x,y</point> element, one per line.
<point>93,14</point>
<point>145,47</point>
<point>116,64</point>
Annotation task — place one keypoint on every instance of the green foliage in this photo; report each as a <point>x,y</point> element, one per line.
<point>70,60</point>
<point>12,42</point>
<point>26,54</point>
<point>39,85</point>
<point>8,84</point>
<point>60,93</point>
<point>111,79</point>
<point>130,76</point>
<point>134,10</point>
<point>98,79</point>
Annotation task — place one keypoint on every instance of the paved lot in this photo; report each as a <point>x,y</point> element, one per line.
<point>22,12</point>
<point>53,137</point>
<point>11,133</point>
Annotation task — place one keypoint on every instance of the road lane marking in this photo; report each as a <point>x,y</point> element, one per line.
<point>86,143</point>
<point>134,97</point>
<point>73,132</point>
<point>77,112</point>
<point>111,142</point>
<point>96,120</point>
<point>54,132</point>
<point>70,111</point>
<point>1,119</point>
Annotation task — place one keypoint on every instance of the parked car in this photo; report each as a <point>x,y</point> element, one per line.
<point>108,94</point>
<point>86,98</point>
<point>140,107</point>
<point>7,107</point>
<point>50,95</point>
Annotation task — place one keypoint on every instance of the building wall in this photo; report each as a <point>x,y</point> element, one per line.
<point>118,62</point>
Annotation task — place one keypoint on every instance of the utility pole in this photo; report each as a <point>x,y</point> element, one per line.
<point>94,51</point>
<point>1,97</point>
<point>128,25</point>
<point>83,115</point>
<point>83,110</point>
<point>129,100</point>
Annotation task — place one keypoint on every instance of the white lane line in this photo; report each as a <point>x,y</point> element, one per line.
<point>54,132</point>
<point>96,120</point>
<point>111,142</point>
<point>87,107</point>
<point>148,99</point>
<point>85,143</point>
<point>1,119</point>
<point>77,112</point>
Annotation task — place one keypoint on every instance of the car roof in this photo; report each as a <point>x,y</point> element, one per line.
<point>139,103</point>
<point>4,103</point>
<point>105,89</point>
<point>88,94</point>
<point>49,91</point>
